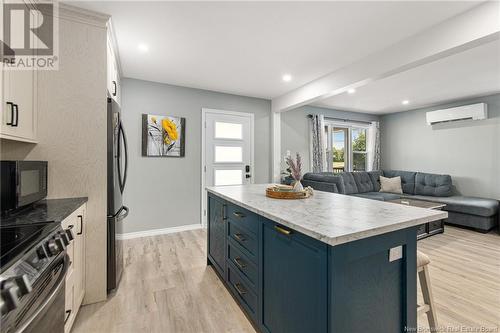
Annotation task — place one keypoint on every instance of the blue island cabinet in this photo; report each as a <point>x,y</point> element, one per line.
<point>294,281</point>
<point>216,234</point>
<point>288,282</point>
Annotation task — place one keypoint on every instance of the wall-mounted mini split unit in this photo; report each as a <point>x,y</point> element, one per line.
<point>477,111</point>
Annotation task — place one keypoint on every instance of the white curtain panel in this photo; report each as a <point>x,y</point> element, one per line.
<point>373,146</point>
<point>318,152</point>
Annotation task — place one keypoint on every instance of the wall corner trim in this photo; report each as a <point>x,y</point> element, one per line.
<point>81,15</point>
<point>155,232</point>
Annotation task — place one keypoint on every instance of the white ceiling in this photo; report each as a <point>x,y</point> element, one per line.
<point>245,47</point>
<point>471,73</point>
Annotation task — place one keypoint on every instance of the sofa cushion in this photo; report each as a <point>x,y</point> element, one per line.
<point>461,204</point>
<point>477,222</point>
<point>325,177</point>
<point>350,186</point>
<point>321,186</point>
<point>391,185</point>
<point>433,185</point>
<point>375,177</point>
<point>407,179</point>
<point>377,196</point>
<point>363,182</point>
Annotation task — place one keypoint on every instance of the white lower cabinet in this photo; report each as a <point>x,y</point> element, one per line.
<point>75,278</point>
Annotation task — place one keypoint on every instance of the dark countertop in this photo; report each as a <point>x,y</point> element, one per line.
<point>45,211</point>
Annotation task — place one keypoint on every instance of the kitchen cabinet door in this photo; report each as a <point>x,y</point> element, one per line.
<point>75,279</point>
<point>217,233</point>
<point>294,281</point>
<point>19,117</point>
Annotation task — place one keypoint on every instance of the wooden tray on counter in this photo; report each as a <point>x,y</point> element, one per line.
<point>281,192</point>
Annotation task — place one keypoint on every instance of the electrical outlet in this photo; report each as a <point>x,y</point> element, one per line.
<point>395,253</point>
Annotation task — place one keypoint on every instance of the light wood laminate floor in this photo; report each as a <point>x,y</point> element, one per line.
<point>167,287</point>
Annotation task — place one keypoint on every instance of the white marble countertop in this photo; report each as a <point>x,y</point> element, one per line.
<point>331,218</point>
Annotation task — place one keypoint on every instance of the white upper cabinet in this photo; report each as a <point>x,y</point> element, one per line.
<point>19,104</point>
<point>113,75</point>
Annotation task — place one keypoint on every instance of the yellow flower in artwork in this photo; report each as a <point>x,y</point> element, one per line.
<point>153,119</point>
<point>171,130</point>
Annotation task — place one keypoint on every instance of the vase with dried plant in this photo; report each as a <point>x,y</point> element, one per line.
<point>295,167</point>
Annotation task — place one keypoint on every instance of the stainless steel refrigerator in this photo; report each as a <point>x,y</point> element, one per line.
<point>117,177</point>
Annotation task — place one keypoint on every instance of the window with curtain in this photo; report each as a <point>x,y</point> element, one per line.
<point>346,147</point>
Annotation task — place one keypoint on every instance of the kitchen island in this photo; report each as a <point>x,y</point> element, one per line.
<point>329,263</point>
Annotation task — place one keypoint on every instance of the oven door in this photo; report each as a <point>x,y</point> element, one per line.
<point>46,314</point>
<point>31,182</point>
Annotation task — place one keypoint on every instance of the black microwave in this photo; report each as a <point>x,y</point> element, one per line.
<point>23,183</point>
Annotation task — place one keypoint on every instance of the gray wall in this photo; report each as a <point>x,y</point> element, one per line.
<point>166,192</point>
<point>295,129</point>
<point>469,151</point>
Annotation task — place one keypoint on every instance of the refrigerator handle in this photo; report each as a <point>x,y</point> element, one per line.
<point>125,214</point>
<point>124,181</point>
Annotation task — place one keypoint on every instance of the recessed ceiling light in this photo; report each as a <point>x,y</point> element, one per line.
<point>405,102</point>
<point>351,91</point>
<point>143,47</point>
<point>287,78</point>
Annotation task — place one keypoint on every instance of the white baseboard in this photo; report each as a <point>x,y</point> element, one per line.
<point>154,232</point>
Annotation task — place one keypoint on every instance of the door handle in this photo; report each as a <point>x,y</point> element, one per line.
<point>11,122</point>
<point>239,263</point>
<point>121,133</point>
<point>16,108</point>
<point>68,314</point>
<point>80,217</point>
<point>114,87</point>
<point>282,230</point>
<point>239,215</point>
<point>223,212</point>
<point>240,237</point>
<point>239,288</point>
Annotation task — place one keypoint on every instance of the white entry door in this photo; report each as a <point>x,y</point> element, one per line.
<point>228,150</point>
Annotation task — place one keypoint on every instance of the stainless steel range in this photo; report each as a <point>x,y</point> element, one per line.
<point>33,268</point>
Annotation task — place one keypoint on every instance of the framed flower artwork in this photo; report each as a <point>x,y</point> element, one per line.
<point>163,136</point>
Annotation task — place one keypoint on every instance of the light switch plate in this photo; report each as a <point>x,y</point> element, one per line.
<point>395,253</point>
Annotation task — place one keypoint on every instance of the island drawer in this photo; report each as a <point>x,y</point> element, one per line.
<point>243,293</point>
<point>244,238</point>
<point>244,218</point>
<point>246,267</point>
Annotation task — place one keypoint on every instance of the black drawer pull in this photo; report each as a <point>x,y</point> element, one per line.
<point>239,262</point>
<point>239,288</point>
<point>80,217</point>
<point>11,122</point>
<point>68,314</point>
<point>239,215</point>
<point>224,217</point>
<point>16,108</point>
<point>240,237</point>
<point>282,230</point>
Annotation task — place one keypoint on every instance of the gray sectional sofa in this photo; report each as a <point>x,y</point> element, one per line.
<point>478,213</point>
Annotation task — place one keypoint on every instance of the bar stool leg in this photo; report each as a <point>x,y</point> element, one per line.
<point>423,276</point>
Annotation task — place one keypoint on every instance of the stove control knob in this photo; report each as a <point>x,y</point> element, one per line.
<point>9,296</point>
<point>41,253</point>
<point>52,247</point>
<point>64,238</point>
<point>3,306</point>
<point>24,284</point>
<point>60,243</point>
<point>69,233</point>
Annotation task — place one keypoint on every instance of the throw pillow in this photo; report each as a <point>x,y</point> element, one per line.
<point>391,185</point>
